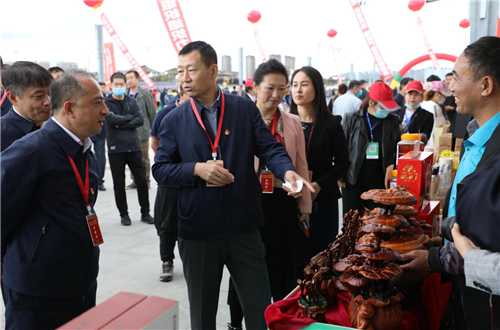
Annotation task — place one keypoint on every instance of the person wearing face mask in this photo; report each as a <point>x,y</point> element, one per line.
<point>433,100</point>
<point>372,134</point>
<point>124,148</point>
<point>413,119</point>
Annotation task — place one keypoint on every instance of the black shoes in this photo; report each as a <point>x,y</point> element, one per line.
<point>147,219</point>
<point>126,220</point>
<point>101,187</point>
<point>167,271</point>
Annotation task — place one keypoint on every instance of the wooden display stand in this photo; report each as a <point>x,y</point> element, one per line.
<point>129,311</point>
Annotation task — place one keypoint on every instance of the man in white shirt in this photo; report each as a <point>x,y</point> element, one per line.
<point>349,101</point>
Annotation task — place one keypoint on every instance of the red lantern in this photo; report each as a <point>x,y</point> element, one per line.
<point>465,23</point>
<point>416,5</point>
<point>253,16</point>
<point>93,3</point>
<point>332,33</point>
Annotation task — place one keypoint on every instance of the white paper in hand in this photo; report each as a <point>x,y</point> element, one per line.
<point>300,185</point>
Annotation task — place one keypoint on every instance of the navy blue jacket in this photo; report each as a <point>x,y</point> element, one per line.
<point>14,127</point>
<point>46,246</point>
<point>218,213</point>
<point>6,105</point>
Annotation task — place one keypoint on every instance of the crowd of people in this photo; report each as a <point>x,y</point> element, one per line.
<point>249,180</point>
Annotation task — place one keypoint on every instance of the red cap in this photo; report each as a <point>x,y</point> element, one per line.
<point>380,92</point>
<point>249,82</point>
<point>415,85</point>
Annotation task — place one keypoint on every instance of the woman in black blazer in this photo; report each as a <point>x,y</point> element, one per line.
<point>327,159</point>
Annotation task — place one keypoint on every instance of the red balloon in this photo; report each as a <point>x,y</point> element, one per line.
<point>93,3</point>
<point>416,5</point>
<point>253,16</point>
<point>332,33</point>
<point>465,23</point>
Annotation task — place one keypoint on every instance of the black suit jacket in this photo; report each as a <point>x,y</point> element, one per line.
<point>328,143</point>
<point>14,127</point>
<point>421,120</point>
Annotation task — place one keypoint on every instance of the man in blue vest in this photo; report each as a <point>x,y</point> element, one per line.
<point>207,148</point>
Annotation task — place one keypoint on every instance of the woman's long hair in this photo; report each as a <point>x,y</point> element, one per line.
<point>320,108</point>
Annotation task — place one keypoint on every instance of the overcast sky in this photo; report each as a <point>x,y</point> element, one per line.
<point>63,30</point>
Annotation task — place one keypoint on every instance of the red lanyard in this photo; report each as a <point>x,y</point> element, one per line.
<point>219,129</point>
<point>83,189</point>
<point>274,122</point>
<point>3,97</point>
<point>309,142</point>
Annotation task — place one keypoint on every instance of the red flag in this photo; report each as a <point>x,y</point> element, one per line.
<point>109,62</point>
<point>173,18</point>
<point>130,58</point>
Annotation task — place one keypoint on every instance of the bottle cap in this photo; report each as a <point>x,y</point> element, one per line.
<point>412,137</point>
<point>394,173</point>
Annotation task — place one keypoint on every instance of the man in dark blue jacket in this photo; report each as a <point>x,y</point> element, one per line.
<point>124,148</point>
<point>27,85</point>
<point>49,258</point>
<point>212,140</point>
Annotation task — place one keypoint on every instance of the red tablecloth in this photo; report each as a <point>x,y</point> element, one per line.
<point>424,314</point>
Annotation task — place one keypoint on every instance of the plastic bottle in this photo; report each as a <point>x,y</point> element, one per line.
<point>434,190</point>
<point>407,144</point>
<point>394,179</point>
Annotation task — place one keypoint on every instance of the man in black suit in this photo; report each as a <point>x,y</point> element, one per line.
<point>250,92</point>
<point>27,85</point>
<point>49,256</point>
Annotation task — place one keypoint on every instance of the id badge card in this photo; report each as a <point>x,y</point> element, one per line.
<point>267,181</point>
<point>95,230</point>
<point>219,163</point>
<point>372,150</point>
<point>310,176</point>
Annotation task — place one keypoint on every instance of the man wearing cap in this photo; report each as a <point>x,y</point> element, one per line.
<point>348,102</point>
<point>250,92</point>
<point>476,87</point>
<point>413,118</point>
<point>371,133</point>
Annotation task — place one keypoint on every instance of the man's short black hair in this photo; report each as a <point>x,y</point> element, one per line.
<point>483,57</point>
<point>67,87</point>
<point>56,69</point>
<point>354,84</point>
<point>136,74</point>
<point>362,82</point>
<point>432,78</point>
<point>449,74</point>
<point>118,75</point>
<point>102,83</point>
<point>207,52</point>
<point>22,75</point>
<point>271,66</point>
<point>405,81</point>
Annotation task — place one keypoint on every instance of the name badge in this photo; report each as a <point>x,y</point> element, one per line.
<point>267,181</point>
<point>372,150</point>
<point>95,230</point>
<point>218,163</point>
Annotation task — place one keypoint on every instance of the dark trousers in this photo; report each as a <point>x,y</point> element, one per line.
<point>370,177</point>
<point>117,162</point>
<point>203,263</point>
<point>324,227</point>
<point>100,153</point>
<point>166,221</point>
<point>24,311</point>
